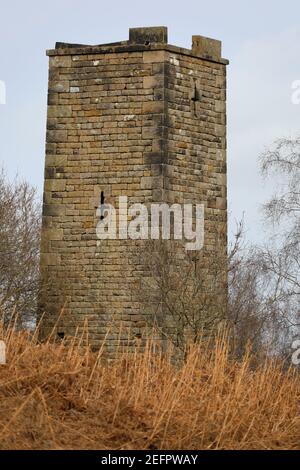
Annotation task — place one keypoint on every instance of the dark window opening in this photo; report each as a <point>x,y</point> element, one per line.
<point>102,199</point>
<point>196,95</point>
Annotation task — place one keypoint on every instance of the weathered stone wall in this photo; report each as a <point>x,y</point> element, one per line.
<point>196,160</point>
<point>138,118</point>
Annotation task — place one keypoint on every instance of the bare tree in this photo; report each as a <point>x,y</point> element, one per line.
<point>283,159</point>
<point>184,293</point>
<point>280,260</point>
<point>245,312</point>
<point>254,308</point>
<point>19,249</point>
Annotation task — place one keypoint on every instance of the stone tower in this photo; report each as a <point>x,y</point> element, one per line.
<point>139,118</point>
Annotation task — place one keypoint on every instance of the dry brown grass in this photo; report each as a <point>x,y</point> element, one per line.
<point>57,396</point>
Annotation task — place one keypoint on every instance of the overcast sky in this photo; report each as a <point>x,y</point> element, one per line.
<point>260,38</point>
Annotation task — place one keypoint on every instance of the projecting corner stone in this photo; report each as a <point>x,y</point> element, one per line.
<point>55,160</point>
<point>53,234</point>
<point>55,185</point>
<point>59,87</point>
<point>54,210</point>
<point>153,81</point>
<point>221,179</point>
<point>206,47</point>
<point>220,130</point>
<point>151,132</point>
<point>60,61</point>
<point>220,106</point>
<point>146,182</point>
<point>153,107</point>
<point>56,136</point>
<point>148,35</point>
<point>154,56</point>
<point>49,259</point>
<point>221,203</point>
<point>59,111</point>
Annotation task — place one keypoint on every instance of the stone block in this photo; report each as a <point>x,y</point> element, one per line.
<point>56,160</point>
<point>153,107</point>
<point>150,35</point>
<point>221,203</point>
<point>57,136</point>
<point>206,47</point>
<point>53,234</point>
<point>59,87</point>
<point>49,259</point>
<point>154,81</point>
<point>55,185</point>
<point>60,61</point>
<point>146,182</point>
<point>55,210</point>
<point>59,111</point>
<point>150,57</point>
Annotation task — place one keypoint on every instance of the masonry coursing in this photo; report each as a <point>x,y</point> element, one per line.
<point>139,118</point>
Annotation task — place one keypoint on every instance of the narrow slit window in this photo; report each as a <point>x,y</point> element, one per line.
<point>102,200</point>
<point>195,96</point>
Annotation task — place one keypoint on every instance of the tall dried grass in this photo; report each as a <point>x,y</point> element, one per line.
<point>63,396</point>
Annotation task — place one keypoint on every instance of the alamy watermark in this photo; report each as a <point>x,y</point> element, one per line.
<point>158,220</point>
<point>2,92</point>
<point>295,97</point>
<point>296,353</point>
<point>2,353</point>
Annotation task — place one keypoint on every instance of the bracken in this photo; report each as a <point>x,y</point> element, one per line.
<point>64,396</point>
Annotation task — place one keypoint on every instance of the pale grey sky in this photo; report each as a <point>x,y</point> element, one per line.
<point>260,38</point>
